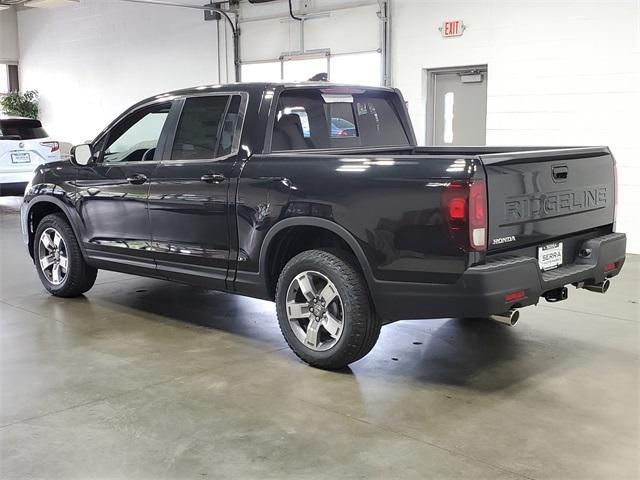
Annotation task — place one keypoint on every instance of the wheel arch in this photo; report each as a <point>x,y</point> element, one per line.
<point>40,208</point>
<point>279,230</point>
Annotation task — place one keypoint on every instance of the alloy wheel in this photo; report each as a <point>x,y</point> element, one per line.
<point>315,311</point>
<point>52,255</point>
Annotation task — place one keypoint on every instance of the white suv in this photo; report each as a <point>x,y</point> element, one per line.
<point>24,145</point>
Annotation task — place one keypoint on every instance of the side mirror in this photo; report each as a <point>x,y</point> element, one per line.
<point>81,155</point>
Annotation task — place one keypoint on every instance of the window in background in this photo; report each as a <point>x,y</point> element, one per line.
<point>303,69</point>
<point>342,121</point>
<point>356,68</point>
<point>4,78</point>
<point>448,117</point>
<point>262,72</point>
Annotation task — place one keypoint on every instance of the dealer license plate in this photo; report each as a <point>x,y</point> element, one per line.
<point>20,158</point>
<point>550,256</point>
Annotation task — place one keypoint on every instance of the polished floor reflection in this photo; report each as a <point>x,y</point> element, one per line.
<point>146,379</point>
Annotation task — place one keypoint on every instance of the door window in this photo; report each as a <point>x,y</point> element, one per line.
<point>207,128</point>
<point>136,137</point>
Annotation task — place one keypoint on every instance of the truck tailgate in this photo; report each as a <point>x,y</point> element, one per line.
<point>535,197</point>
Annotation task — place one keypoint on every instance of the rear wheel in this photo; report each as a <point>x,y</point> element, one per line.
<point>324,310</point>
<point>59,262</point>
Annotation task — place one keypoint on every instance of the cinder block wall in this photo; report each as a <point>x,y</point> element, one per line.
<point>561,72</point>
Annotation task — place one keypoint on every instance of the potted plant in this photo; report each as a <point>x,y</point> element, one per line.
<point>21,104</point>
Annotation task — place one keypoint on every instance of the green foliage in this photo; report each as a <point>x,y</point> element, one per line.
<point>21,104</point>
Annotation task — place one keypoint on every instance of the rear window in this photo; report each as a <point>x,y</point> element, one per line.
<point>24,128</point>
<point>308,119</point>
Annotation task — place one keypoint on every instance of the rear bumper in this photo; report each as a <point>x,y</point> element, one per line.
<point>482,289</point>
<point>20,176</point>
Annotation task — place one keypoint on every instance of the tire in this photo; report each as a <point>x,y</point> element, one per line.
<point>78,277</point>
<point>332,345</point>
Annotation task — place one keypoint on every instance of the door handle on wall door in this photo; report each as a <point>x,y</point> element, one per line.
<point>213,178</point>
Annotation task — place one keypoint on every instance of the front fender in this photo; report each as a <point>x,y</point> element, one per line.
<point>29,207</point>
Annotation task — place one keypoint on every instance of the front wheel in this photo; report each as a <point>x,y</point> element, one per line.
<point>59,262</point>
<point>324,310</point>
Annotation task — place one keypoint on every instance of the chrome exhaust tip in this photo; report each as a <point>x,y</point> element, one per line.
<point>599,287</point>
<point>507,318</point>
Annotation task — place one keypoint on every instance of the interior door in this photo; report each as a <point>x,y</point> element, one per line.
<point>459,102</point>
<point>113,190</point>
<point>190,191</point>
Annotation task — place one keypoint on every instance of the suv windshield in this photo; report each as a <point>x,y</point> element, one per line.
<point>337,118</point>
<point>24,128</point>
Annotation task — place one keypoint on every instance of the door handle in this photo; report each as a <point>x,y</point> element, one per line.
<point>137,179</point>
<point>560,173</point>
<point>213,178</point>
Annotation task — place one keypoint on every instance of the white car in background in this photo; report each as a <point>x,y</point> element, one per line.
<point>24,145</point>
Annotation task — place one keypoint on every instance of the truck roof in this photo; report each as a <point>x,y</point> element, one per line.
<point>256,88</point>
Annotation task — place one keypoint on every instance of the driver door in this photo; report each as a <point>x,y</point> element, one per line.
<point>113,190</point>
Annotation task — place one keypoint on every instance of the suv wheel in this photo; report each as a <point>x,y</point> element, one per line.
<point>324,310</point>
<point>59,262</point>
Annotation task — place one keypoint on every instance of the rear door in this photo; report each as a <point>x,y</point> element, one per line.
<point>190,196</point>
<point>538,197</point>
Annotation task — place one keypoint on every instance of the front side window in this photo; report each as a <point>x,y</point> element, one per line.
<point>136,137</point>
<point>207,127</point>
<point>308,119</point>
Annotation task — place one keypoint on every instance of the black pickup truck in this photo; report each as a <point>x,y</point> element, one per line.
<point>317,197</point>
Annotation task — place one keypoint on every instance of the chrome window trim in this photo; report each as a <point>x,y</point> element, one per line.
<point>235,149</point>
<point>237,134</point>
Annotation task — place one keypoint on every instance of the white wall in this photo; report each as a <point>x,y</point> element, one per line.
<point>93,60</point>
<point>560,72</point>
<point>9,52</point>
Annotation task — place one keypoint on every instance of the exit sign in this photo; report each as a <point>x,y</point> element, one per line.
<point>452,28</point>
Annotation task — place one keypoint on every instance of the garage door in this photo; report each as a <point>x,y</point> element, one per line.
<point>342,42</point>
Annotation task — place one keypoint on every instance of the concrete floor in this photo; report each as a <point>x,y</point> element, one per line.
<point>146,379</point>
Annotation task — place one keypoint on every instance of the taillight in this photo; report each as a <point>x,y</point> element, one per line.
<point>54,146</point>
<point>458,208</point>
<point>615,192</point>
<point>478,215</point>
<point>465,209</point>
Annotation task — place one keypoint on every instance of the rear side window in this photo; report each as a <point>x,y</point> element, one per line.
<point>207,128</point>
<point>330,118</point>
<point>26,129</point>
